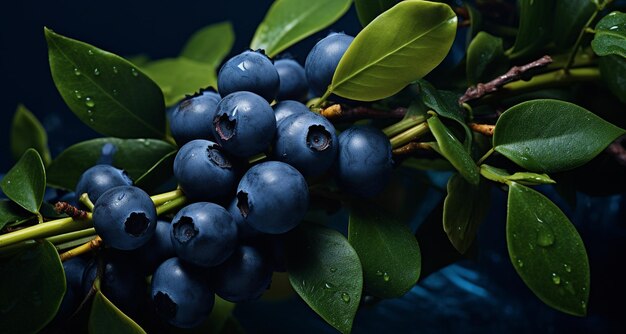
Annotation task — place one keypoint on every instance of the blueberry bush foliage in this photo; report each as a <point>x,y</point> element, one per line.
<point>494,92</point>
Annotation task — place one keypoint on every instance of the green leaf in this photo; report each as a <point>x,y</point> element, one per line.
<point>453,150</point>
<point>157,174</point>
<point>12,214</point>
<point>549,135</point>
<point>27,132</point>
<point>32,286</point>
<point>210,44</point>
<point>547,251</point>
<point>389,252</point>
<point>367,10</point>
<point>525,178</point>
<point>400,46</point>
<point>535,28</point>
<point>289,21</point>
<point>476,19</point>
<point>105,91</point>
<point>610,37</point>
<point>325,271</point>
<point>105,318</point>
<point>571,18</point>
<point>178,77</point>
<point>464,209</point>
<point>613,72</point>
<point>135,156</point>
<point>485,58</point>
<point>25,183</point>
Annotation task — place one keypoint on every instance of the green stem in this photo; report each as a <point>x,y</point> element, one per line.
<point>257,158</point>
<point>322,99</point>
<point>53,227</point>
<point>572,55</point>
<point>409,135</point>
<point>403,125</point>
<point>66,237</point>
<point>171,205</point>
<point>484,157</point>
<point>166,197</point>
<point>493,174</point>
<point>84,198</point>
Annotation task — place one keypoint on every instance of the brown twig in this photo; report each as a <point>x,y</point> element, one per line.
<point>70,210</point>
<point>617,150</point>
<point>411,148</point>
<point>82,249</point>
<point>485,129</point>
<point>515,73</point>
<point>336,112</point>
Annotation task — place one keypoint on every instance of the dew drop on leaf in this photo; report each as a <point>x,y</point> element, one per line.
<point>115,70</point>
<point>96,71</point>
<point>386,277</point>
<point>332,270</point>
<point>328,285</point>
<point>77,94</point>
<point>345,297</point>
<point>556,279</point>
<point>76,71</point>
<point>567,267</point>
<point>134,72</point>
<point>89,102</point>
<point>90,52</point>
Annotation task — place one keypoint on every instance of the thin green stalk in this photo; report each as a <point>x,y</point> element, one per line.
<point>166,197</point>
<point>403,125</point>
<point>67,237</point>
<point>409,135</point>
<point>572,56</point>
<point>171,205</point>
<point>84,198</point>
<point>484,157</point>
<point>54,227</point>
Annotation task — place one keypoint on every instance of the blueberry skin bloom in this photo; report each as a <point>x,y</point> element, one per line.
<point>244,276</point>
<point>203,234</point>
<point>284,109</point>
<point>307,142</point>
<point>293,84</point>
<point>125,217</point>
<point>323,59</point>
<point>244,124</point>
<point>364,162</point>
<point>100,178</point>
<point>272,197</point>
<point>158,249</point>
<point>249,71</point>
<point>181,294</point>
<point>203,171</point>
<point>192,118</point>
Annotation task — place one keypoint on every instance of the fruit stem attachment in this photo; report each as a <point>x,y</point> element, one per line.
<point>409,135</point>
<point>93,244</point>
<point>403,125</point>
<point>84,198</point>
<point>160,199</point>
<point>171,205</point>
<point>53,227</point>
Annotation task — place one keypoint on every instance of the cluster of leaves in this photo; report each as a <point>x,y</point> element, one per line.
<point>400,43</point>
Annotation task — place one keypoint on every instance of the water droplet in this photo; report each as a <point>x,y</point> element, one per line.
<point>379,273</point>
<point>76,71</point>
<point>96,71</point>
<point>115,70</point>
<point>386,277</point>
<point>89,102</point>
<point>345,297</point>
<point>613,28</point>
<point>545,236</point>
<point>134,72</point>
<point>531,246</point>
<point>89,112</point>
<point>114,91</point>
<point>328,285</point>
<point>556,279</point>
<point>514,235</point>
<point>77,94</point>
<point>91,120</point>
<point>583,304</point>
<point>90,52</point>
<point>520,263</point>
<point>567,267</point>
<point>303,283</point>
<point>332,270</point>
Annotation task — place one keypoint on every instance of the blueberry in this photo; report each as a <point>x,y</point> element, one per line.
<point>306,141</point>
<point>244,231</point>
<point>100,178</point>
<point>244,124</point>
<point>74,269</point>
<point>203,234</point>
<point>323,59</point>
<point>284,109</point>
<point>364,162</point>
<point>272,197</point>
<point>158,249</point>
<point>203,171</point>
<point>125,217</point>
<point>192,118</point>
<point>181,294</point>
<point>249,71</point>
<point>293,84</point>
<point>244,276</point>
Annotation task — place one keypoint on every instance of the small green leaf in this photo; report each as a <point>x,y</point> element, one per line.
<point>32,286</point>
<point>525,178</point>
<point>105,91</point>
<point>25,183</point>
<point>367,10</point>
<point>476,19</point>
<point>547,251</point>
<point>535,28</point>
<point>453,150</point>
<point>289,21</point>
<point>135,156</point>
<point>610,38</point>
<point>27,132</point>
<point>613,72</point>
<point>571,18</point>
<point>178,77</point>
<point>555,135</point>
<point>389,252</point>
<point>157,174</point>
<point>464,209</point>
<point>325,271</point>
<point>400,46</point>
<point>12,214</point>
<point>485,58</point>
<point>210,44</point>
<point>105,318</point>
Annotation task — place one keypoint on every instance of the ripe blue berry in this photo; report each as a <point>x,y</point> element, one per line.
<point>284,109</point>
<point>74,269</point>
<point>272,197</point>
<point>244,124</point>
<point>100,178</point>
<point>158,249</point>
<point>203,171</point>
<point>364,163</point>
<point>192,118</point>
<point>244,231</point>
<point>244,276</point>
<point>125,217</point>
<point>203,234</point>
<point>181,294</point>
<point>293,84</point>
<point>323,59</point>
<point>249,71</point>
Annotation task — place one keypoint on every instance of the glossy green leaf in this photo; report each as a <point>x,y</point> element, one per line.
<point>32,286</point>
<point>178,77</point>
<point>571,18</point>
<point>12,214</point>
<point>555,135</point>
<point>210,44</point>
<point>547,251</point>
<point>25,182</point>
<point>400,46</point>
<point>476,19</point>
<point>453,150</point>
<point>157,174</point>
<point>464,209</point>
<point>485,59</point>
<point>613,72</point>
<point>610,37</point>
<point>525,178</point>
<point>27,132</point>
<point>105,91</point>
<point>389,252</point>
<point>289,21</point>
<point>325,271</point>
<point>105,318</point>
<point>367,10</point>
<point>535,27</point>
<point>135,156</point>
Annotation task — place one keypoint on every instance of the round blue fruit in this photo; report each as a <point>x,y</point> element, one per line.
<point>203,234</point>
<point>100,178</point>
<point>74,269</point>
<point>158,249</point>
<point>244,276</point>
<point>272,197</point>
<point>181,294</point>
<point>125,217</point>
<point>323,59</point>
<point>364,163</point>
<point>244,124</point>
<point>244,231</point>
<point>249,71</point>
<point>192,118</point>
<point>293,84</point>
<point>203,171</point>
<point>284,109</point>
